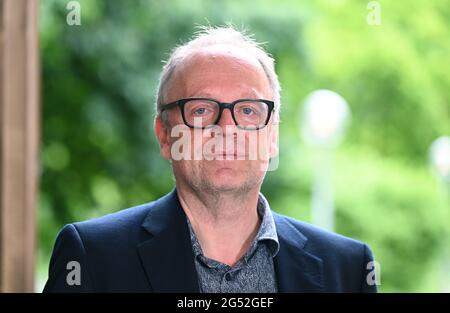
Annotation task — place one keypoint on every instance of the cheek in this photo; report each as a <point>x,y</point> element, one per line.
<point>186,169</point>
<point>259,144</point>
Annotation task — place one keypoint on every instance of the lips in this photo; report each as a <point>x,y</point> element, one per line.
<point>226,155</point>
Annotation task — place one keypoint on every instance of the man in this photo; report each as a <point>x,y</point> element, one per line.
<point>218,106</point>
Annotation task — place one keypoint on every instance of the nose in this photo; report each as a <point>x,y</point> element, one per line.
<point>226,118</point>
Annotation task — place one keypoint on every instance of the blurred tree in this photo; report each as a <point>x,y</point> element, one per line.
<point>99,153</point>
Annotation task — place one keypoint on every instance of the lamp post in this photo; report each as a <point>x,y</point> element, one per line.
<point>439,156</point>
<point>324,119</point>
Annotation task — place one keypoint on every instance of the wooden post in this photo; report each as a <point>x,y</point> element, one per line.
<point>19,136</point>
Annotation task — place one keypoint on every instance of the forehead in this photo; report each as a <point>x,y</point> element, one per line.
<point>219,67</point>
<point>222,54</point>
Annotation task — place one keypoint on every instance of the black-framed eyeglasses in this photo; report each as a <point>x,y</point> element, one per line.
<point>249,114</point>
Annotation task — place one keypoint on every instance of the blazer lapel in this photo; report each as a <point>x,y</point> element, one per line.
<point>296,269</point>
<point>167,257</point>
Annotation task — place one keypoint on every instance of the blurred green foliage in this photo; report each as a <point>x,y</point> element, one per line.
<point>99,153</point>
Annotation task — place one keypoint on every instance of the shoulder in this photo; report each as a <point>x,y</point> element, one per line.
<point>119,229</point>
<point>346,263</point>
<point>316,239</point>
<point>99,246</point>
<point>120,220</point>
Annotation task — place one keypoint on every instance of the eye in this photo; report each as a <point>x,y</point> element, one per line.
<point>199,111</point>
<point>247,111</point>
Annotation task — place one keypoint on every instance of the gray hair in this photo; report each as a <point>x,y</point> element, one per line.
<point>209,36</point>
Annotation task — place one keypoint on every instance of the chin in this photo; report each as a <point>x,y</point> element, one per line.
<point>226,175</point>
<point>226,180</point>
<point>223,188</point>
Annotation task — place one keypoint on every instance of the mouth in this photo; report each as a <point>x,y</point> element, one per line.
<point>226,156</point>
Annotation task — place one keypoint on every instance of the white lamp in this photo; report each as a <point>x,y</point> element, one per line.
<point>439,155</point>
<point>324,119</point>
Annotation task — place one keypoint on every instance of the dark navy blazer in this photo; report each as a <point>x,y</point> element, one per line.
<point>147,249</point>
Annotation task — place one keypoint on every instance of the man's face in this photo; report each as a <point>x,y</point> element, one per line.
<point>231,159</point>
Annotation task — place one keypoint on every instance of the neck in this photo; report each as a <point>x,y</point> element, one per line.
<point>225,223</point>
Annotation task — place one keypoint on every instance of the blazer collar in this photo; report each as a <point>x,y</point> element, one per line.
<point>167,256</point>
<point>296,269</point>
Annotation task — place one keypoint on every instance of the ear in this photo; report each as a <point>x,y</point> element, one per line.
<point>163,135</point>
<point>273,149</point>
